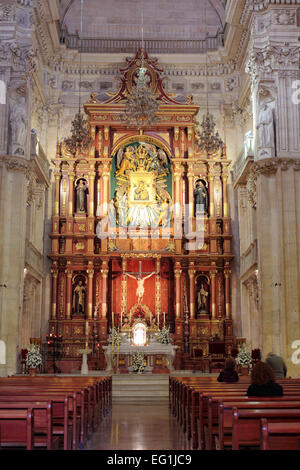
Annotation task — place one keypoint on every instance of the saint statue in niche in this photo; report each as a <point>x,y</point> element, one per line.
<point>18,123</point>
<point>265,127</point>
<point>200,198</point>
<point>81,193</point>
<point>79,298</point>
<point>202,298</point>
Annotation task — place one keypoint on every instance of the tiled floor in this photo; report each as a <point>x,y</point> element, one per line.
<point>138,427</point>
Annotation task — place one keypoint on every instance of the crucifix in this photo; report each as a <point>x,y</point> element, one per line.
<point>140,281</point>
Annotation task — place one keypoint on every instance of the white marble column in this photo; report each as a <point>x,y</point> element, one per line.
<point>12,253</point>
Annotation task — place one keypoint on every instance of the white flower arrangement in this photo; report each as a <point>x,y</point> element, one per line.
<point>115,337</point>
<point>164,335</point>
<point>33,357</point>
<point>244,358</point>
<point>138,362</point>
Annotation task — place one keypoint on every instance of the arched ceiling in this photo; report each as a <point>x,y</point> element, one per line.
<point>163,19</point>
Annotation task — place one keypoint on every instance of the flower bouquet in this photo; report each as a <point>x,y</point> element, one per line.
<point>244,360</point>
<point>33,358</point>
<point>138,362</point>
<point>164,335</point>
<point>115,337</point>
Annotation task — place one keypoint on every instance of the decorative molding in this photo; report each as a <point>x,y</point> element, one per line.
<point>270,166</point>
<point>6,12</point>
<point>170,46</point>
<point>285,17</point>
<point>16,164</point>
<point>251,189</point>
<point>23,58</point>
<point>265,61</point>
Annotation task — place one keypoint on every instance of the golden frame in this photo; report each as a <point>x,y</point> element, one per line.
<point>142,189</point>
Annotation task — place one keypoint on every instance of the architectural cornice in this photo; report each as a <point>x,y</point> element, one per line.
<point>261,5</point>
<point>270,166</point>
<point>13,163</point>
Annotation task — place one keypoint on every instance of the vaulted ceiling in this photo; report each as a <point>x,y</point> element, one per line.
<point>163,19</point>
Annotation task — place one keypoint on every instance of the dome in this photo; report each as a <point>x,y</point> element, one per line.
<point>163,20</point>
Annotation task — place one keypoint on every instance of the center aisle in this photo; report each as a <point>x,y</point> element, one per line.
<point>139,427</point>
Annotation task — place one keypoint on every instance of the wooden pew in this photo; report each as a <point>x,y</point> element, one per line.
<point>43,435</point>
<point>99,392</point>
<point>249,410</point>
<point>246,424</point>
<point>279,436</point>
<point>16,428</point>
<point>61,406</point>
<point>92,406</point>
<point>185,392</point>
<point>79,406</point>
<point>211,424</point>
<point>196,409</point>
<point>89,408</point>
<point>204,411</point>
<point>208,413</point>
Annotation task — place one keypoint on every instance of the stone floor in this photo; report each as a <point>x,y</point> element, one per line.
<point>138,427</point>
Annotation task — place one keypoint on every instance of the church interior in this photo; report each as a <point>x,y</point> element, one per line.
<point>149,214</point>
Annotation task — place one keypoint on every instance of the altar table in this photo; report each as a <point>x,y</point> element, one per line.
<point>150,351</point>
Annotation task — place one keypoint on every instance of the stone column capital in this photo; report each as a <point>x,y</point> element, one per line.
<point>16,164</point>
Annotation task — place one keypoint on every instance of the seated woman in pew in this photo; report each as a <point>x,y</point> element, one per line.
<point>228,374</point>
<point>263,382</point>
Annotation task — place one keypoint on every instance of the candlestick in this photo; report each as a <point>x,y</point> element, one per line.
<point>118,355</point>
<point>112,347</point>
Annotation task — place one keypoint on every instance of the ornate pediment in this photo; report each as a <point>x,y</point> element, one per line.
<point>128,80</point>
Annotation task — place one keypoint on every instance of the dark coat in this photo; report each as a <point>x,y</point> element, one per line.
<point>278,366</point>
<point>229,376</point>
<point>270,389</point>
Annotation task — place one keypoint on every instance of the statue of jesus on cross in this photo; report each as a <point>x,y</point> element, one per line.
<point>140,284</point>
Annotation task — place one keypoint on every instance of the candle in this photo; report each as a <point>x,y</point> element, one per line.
<point>112,320</point>
<point>121,319</point>
<point>158,319</point>
<point>164,319</point>
<point>86,328</point>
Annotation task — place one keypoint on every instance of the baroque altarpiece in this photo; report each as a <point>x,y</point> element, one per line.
<point>140,228</point>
